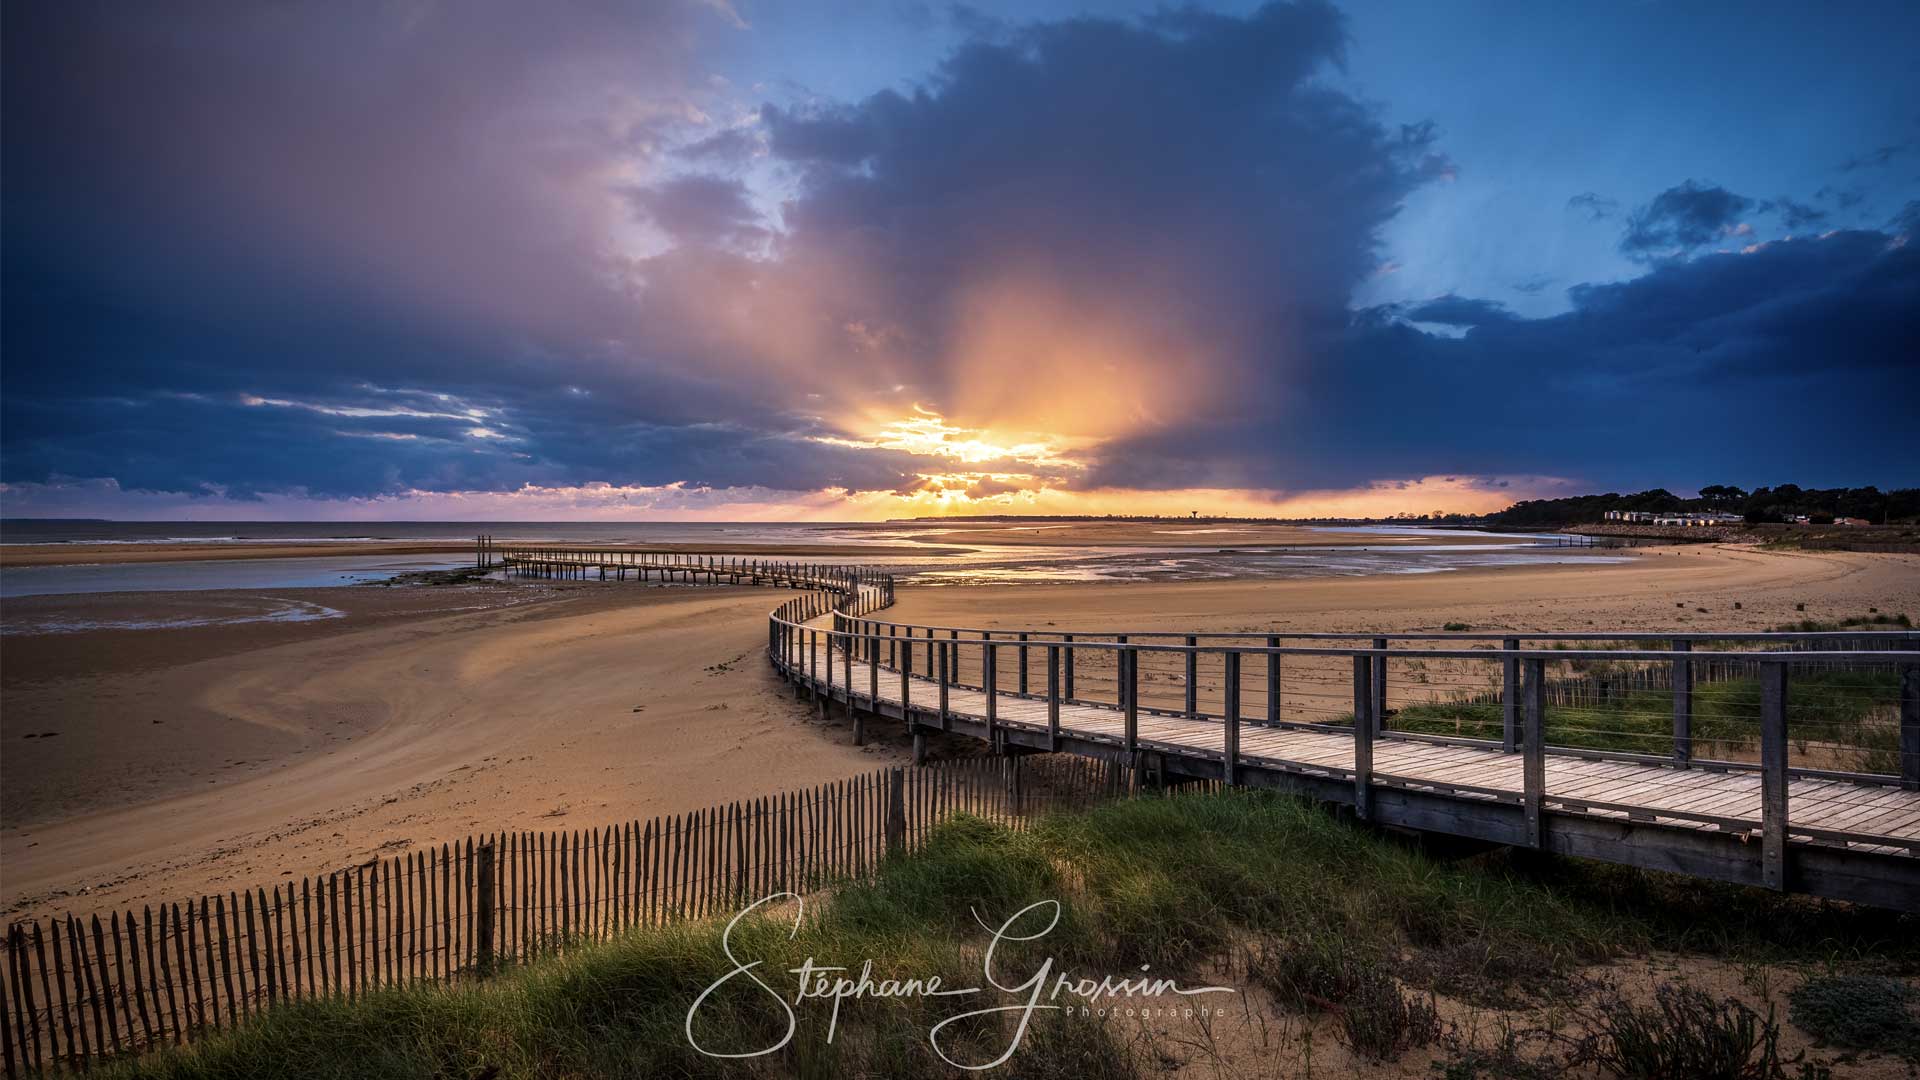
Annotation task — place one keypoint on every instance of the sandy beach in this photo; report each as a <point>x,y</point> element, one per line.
<point>242,752</point>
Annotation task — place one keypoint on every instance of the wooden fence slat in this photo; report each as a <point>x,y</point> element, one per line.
<point>166,976</point>
<point>84,992</point>
<point>23,1019</point>
<point>448,956</point>
<point>102,991</point>
<point>139,989</point>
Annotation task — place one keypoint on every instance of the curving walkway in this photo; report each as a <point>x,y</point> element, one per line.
<point>1838,834</point>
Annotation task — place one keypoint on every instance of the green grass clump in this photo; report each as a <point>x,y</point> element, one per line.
<point>1685,1033</point>
<point>1859,1012</point>
<point>1174,883</point>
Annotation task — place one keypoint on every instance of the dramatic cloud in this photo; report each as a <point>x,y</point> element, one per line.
<point>1683,218</point>
<point>1739,362</point>
<point>482,256</point>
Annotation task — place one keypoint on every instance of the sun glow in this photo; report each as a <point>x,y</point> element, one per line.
<point>927,433</point>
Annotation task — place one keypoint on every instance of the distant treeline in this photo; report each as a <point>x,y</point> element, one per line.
<point>1760,506</point>
<point>1437,517</point>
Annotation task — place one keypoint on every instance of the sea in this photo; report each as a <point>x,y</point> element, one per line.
<point>983,564</point>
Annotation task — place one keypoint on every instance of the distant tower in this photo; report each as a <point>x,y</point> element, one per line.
<point>1194,513</point>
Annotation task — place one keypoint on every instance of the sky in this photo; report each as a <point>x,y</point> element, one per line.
<point>839,261</point>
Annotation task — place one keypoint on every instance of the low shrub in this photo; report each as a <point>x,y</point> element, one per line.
<point>1858,1012</point>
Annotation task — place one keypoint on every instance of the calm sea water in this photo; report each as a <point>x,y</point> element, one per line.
<point>984,565</point>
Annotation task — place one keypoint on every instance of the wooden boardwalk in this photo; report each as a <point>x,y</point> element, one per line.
<point>1839,834</point>
<point>1868,818</point>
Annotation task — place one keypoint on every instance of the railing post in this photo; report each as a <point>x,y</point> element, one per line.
<point>1193,676</point>
<point>1053,698</point>
<point>990,683</point>
<point>873,679</point>
<point>482,905</point>
<point>1273,681</point>
<point>1230,738</point>
<point>1910,726</point>
<point>1130,698</point>
<point>896,811</point>
<point>847,645</point>
<point>1682,706</point>
<point>906,699</point>
<point>1023,663</point>
<point>1066,680</point>
<point>1773,774</point>
<point>1379,687</point>
<point>1533,761</point>
<point>826,703</point>
<point>1509,698</point>
<point>944,684</point>
<point>1362,737</point>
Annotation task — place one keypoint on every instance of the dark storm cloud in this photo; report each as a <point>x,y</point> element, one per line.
<point>1180,187</point>
<point>1683,218</point>
<point>1747,364</point>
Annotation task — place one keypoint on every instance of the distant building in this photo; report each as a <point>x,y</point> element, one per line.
<point>1639,517</point>
<point>1698,519</point>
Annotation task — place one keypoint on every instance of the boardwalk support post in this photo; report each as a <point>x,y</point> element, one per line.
<point>1773,775</point>
<point>1533,762</point>
<point>1509,698</point>
<point>1910,726</point>
<point>483,906</point>
<point>1682,706</point>
<point>1230,738</point>
<point>1362,737</point>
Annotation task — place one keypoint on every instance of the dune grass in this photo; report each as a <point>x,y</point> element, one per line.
<point>1174,882</point>
<point>1849,714</point>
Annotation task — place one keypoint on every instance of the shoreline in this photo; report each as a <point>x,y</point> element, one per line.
<point>91,554</point>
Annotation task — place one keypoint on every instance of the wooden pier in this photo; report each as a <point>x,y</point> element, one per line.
<point>1315,714</point>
